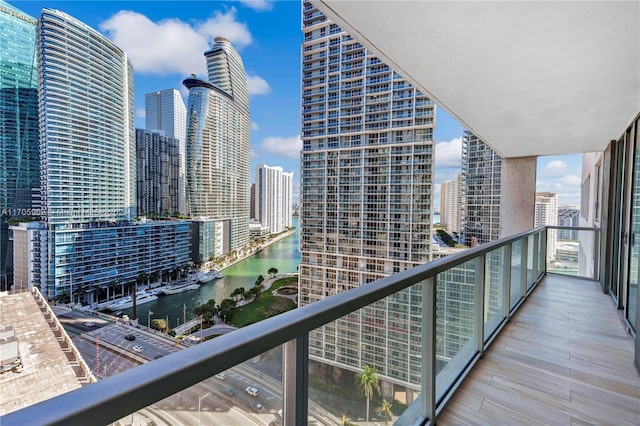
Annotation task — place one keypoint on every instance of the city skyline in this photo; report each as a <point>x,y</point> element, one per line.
<point>272,62</point>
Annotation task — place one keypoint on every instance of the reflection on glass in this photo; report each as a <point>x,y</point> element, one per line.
<point>516,272</point>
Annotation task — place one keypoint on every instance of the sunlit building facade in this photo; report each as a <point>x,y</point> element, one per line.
<point>366,190</point>
<point>19,144</point>
<point>88,175</point>
<point>218,146</point>
<point>166,114</point>
<point>273,197</point>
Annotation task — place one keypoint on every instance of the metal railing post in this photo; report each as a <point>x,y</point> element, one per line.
<point>295,381</point>
<point>480,305</point>
<point>429,349</point>
<point>524,266</point>
<point>506,294</point>
<point>535,260</point>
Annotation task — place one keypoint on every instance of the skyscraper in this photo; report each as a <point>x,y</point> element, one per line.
<point>450,202</point>
<point>366,188</point>
<point>218,146</point>
<point>546,213</point>
<point>273,197</point>
<point>88,157</point>
<point>19,147</point>
<point>481,171</point>
<point>158,173</point>
<point>165,113</point>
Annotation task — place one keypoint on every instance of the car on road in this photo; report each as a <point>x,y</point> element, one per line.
<point>252,391</point>
<point>229,391</point>
<point>130,337</point>
<point>221,375</point>
<point>89,324</point>
<point>137,348</point>
<point>259,408</point>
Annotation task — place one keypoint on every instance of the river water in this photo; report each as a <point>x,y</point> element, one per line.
<point>283,255</point>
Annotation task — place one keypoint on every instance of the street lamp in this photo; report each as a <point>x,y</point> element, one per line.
<point>200,398</point>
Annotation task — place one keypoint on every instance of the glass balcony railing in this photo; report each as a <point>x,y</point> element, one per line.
<point>422,329</point>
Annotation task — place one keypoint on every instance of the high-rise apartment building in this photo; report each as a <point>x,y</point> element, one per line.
<point>546,213</point>
<point>218,146</point>
<point>273,197</point>
<point>481,171</point>
<point>366,191</point>
<point>450,203</point>
<point>166,113</point>
<point>568,216</point>
<point>19,146</point>
<point>88,175</point>
<point>157,173</point>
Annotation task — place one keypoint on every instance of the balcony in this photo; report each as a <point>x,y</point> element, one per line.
<point>536,346</point>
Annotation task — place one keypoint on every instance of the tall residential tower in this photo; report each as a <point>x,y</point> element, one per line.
<point>218,150</point>
<point>481,171</point>
<point>166,114</point>
<point>19,147</point>
<point>273,197</point>
<point>366,190</point>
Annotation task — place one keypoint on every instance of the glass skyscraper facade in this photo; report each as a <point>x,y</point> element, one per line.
<point>166,113</point>
<point>19,146</point>
<point>157,173</point>
<point>218,145</point>
<point>366,190</point>
<point>481,174</point>
<point>88,174</point>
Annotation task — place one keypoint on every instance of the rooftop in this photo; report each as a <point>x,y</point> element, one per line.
<point>47,369</point>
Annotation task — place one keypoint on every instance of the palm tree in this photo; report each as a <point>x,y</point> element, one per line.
<point>369,383</point>
<point>272,271</point>
<point>385,410</point>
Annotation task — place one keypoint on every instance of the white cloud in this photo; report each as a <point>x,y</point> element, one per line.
<point>449,154</point>
<point>556,168</point>
<point>287,147</point>
<point>172,46</point>
<point>141,113</point>
<point>567,187</point>
<point>257,85</point>
<point>259,5</point>
<point>254,126</point>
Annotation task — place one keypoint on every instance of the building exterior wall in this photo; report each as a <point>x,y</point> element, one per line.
<point>481,174</point>
<point>157,173</point>
<point>88,153</point>
<point>450,203</point>
<point>366,187</point>
<point>218,146</point>
<point>546,213</point>
<point>19,143</point>
<point>166,113</point>
<point>273,193</point>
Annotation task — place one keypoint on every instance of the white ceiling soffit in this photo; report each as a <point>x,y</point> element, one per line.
<point>529,78</point>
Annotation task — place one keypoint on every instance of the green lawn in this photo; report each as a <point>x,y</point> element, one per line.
<point>265,306</point>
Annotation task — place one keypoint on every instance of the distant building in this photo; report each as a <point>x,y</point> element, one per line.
<point>546,213</point>
<point>218,147</point>
<point>481,172</point>
<point>273,195</point>
<point>157,174</point>
<point>166,114</point>
<point>19,131</point>
<point>450,203</point>
<point>568,216</point>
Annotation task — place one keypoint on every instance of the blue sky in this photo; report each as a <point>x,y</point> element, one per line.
<point>165,41</point>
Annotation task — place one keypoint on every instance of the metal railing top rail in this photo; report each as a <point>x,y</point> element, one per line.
<point>117,396</point>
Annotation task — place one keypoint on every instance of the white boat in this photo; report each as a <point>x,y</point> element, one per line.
<point>219,275</point>
<point>177,288</point>
<point>205,277</point>
<point>126,302</point>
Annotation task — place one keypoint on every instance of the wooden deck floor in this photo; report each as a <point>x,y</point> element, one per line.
<point>564,359</point>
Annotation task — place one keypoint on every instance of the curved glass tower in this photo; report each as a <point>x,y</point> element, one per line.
<point>19,149</point>
<point>87,135</point>
<point>218,147</point>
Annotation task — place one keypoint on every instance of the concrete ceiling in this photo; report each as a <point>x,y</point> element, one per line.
<point>529,78</point>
